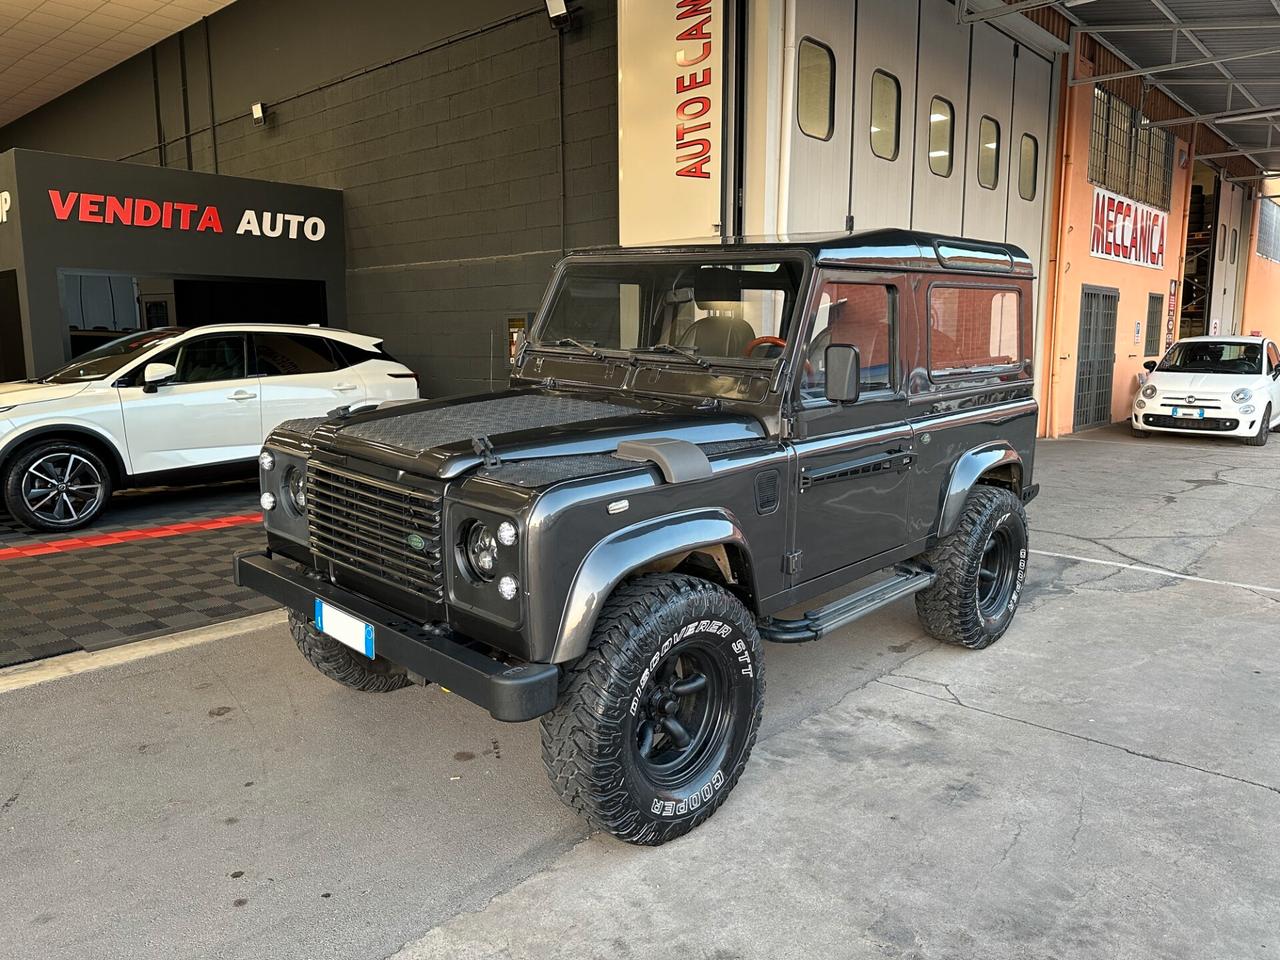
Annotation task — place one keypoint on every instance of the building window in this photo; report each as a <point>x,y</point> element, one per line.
<point>886,109</point>
<point>988,153</point>
<point>973,329</point>
<point>1155,316</point>
<point>942,136</point>
<point>815,89</point>
<point>1235,244</point>
<point>1029,167</point>
<point>1269,230</point>
<point>1126,157</point>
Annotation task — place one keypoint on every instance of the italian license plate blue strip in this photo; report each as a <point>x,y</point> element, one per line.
<point>345,628</point>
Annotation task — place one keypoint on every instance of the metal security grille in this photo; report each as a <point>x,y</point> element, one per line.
<point>1269,229</point>
<point>1097,357</point>
<point>377,528</point>
<point>1155,317</point>
<point>1125,156</point>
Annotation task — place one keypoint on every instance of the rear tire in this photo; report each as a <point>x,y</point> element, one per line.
<point>1259,439</point>
<point>57,486</point>
<point>657,719</point>
<point>342,664</point>
<point>981,568</point>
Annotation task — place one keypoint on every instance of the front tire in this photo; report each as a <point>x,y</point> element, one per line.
<point>656,721</point>
<point>57,486</point>
<point>981,568</point>
<point>342,664</point>
<point>1259,439</point>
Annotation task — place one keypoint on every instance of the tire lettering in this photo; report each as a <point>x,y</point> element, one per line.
<point>670,808</point>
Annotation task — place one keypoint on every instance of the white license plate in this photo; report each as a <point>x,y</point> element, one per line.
<point>1185,412</point>
<point>345,628</point>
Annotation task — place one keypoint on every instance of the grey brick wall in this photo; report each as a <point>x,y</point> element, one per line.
<point>450,163</point>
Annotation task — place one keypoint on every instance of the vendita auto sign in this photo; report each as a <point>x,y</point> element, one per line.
<point>177,215</point>
<point>1128,231</point>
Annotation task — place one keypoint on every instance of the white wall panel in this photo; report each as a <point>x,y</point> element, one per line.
<point>887,34</point>
<point>1032,102</point>
<point>938,203</point>
<point>991,95</point>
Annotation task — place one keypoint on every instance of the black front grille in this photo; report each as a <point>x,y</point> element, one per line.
<point>377,528</point>
<point>1188,423</point>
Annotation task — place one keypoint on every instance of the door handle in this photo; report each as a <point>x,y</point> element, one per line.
<point>241,395</point>
<point>346,387</point>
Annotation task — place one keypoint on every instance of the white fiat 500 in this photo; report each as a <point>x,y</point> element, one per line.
<point>174,406</point>
<point>1224,386</point>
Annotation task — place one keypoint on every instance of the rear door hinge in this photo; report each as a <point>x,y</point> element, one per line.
<point>791,562</point>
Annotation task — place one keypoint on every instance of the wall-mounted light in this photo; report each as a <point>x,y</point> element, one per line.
<point>259,113</point>
<point>560,14</point>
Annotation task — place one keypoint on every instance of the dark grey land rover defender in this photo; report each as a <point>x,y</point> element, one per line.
<point>695,441</point>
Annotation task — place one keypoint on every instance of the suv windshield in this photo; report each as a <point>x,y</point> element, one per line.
<point>1210,356</point>
<point>680,311</point>
<point>110,357</point>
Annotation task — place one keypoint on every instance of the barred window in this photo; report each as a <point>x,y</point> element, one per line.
<point>1269,230</point>
<point>1125,156</point>
<point>1155,317</point>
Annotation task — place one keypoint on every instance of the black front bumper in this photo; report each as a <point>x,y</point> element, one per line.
<point>509,691</point>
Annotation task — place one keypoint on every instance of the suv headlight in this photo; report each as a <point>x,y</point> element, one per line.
<point>1149,390</point>
<point>295,489</point>
<point>1243,395</point>
<point>481,551</point>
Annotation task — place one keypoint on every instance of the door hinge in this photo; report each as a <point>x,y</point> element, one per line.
<point>791,562</point>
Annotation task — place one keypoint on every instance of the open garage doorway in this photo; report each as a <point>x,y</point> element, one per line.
<point>13,363</point>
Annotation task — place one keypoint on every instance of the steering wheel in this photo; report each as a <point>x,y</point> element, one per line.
<point>762,341</point>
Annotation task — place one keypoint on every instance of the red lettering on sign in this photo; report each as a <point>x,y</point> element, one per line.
<point>694,80</point>
<point>146,213</point>
<point>692,8</point>
<point>693,153</point>
<point>209,220</point>
<point>62,207</point>
<point>682,61</point>
<point>91,207</point>
<point>120,210</point>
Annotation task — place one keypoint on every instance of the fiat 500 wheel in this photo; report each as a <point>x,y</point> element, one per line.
<point>656,721</point>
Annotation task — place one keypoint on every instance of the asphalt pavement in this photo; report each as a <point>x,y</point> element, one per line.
<point>1103,783</point>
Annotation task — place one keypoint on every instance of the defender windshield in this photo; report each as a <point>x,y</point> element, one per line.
<point>110,357</point>
<point>688,312</point>
<point>1213,356</point>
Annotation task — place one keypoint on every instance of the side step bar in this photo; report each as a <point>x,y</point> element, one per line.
<point>816,624</point>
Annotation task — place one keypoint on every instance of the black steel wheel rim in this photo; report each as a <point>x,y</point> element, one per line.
<point>685,718</point>
<point>62,488</point>
<point>997,572</point>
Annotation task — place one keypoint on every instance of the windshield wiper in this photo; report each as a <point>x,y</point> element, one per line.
<point>589,349</point>
<point>679,351</point>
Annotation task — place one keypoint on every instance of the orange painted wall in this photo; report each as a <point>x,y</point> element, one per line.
<point>1262,290</point>
<point>1076,268</point>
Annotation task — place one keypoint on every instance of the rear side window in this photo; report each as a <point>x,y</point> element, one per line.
<point>973,329</point>
<point>349,354</point>
<point>291,354</point>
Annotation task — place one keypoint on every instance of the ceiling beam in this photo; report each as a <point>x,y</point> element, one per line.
<point>1209,61</point>
<point>1215,81</point>
<point>1221,23</point>
<point>1222,116</point>
<point>965,15</point>
<point>1251,152</point>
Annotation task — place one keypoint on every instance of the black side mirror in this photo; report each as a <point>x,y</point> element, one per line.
<point>1151,366</point>
<point>844,373</point>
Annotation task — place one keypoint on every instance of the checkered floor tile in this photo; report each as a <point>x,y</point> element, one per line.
<point>102,596</point>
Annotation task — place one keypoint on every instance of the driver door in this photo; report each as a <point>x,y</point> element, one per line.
<point>1273,371</point>
<point>854,460</point>
<point>210,413</point>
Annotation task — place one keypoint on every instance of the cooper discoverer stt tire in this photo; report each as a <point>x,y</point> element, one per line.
<point>656,721</point>
<point>342,664</point>
<point>981,568</point>
<point>57,486</point>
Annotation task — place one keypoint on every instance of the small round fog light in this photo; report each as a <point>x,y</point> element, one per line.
<point>507,533</point>
<point>268,501</point>
<point>1141,404</point>
<point>266,460</point>
<point>508,587</point>
<point>1246,410</point>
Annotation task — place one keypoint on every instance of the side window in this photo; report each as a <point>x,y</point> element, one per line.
<point>973,329</point>
<point>292,354</point>
<point>206,360</point>
<point>815,89</point>
<point>1155,315</point>
<point>860,314</point>
<point>942,137</point>
<point>1028,167</point>
<point>988,153</point>
<point>1274,356</point>
<point>886,109</point>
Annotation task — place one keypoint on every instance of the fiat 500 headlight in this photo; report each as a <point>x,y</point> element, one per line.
<point>1149,390</point>
<point>1243,395</point>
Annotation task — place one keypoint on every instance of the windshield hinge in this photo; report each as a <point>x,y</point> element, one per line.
<point>484,448</point>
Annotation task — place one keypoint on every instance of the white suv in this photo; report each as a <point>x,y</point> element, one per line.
<point>173,405</point>
<point>1224,386</point>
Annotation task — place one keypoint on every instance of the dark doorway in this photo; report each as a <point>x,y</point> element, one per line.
<point>203,301</point>
<point>13,349</point>
<point>1096,356</point>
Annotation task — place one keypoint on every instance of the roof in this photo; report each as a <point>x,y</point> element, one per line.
<point>885,248</point>
<point>345,336</point>
<point>1223,339</point>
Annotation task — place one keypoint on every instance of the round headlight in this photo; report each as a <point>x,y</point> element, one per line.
<point>1149,390</point>
<point>481,551</point>
<point>295,488</point>
<point>507,533</point>
<point>1141,404</point>
<point>1243,395</point>
<point>266,460</point>
<point>268,501</point>
<point>508,587</point>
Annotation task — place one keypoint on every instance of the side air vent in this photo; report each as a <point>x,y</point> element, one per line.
<point>767,492</point>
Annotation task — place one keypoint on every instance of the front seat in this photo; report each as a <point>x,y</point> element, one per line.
<point>719,335</point>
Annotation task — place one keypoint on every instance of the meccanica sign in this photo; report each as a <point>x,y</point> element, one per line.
<point>177,215</point>
<point>1128,231</point>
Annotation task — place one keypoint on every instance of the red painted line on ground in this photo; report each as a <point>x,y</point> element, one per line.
<point>127,536</point>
